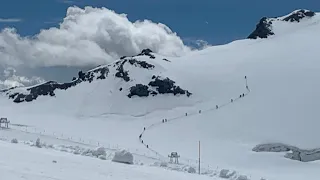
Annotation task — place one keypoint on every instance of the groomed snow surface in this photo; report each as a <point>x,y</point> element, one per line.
<point>282,107</point>
<point>22,162</point>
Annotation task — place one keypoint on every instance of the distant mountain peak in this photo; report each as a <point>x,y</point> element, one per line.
<point>297,15</point>
<point>264,27</point>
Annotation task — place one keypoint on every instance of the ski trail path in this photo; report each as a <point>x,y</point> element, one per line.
<point>165,121</point>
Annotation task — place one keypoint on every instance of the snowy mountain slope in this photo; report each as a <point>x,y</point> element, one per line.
<point>20,162</point>
<point>120,84</point>
<point>282,107</point>
<point>283,74</point>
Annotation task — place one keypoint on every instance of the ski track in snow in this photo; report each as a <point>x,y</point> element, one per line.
<point>154,125</point>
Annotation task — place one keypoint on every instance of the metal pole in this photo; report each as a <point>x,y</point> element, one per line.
<point>199,157</point>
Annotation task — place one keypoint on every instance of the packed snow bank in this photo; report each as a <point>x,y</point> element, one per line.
<point>295,152</point>
<point>123,156</point>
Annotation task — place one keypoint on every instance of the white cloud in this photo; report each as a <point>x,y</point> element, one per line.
<point>9,20</point>
<point>88,36</point>
<point>9,79</point>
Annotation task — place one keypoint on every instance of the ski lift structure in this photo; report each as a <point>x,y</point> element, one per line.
<point>175,156</point>
<point>5,122</point>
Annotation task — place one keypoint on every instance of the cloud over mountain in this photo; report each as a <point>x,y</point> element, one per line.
<point>88,36</point>
<point>9,78</point>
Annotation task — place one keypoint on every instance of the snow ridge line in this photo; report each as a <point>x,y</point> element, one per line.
<point>162,157</point>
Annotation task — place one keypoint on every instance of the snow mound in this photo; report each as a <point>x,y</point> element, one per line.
<point>14,141</point>
<point>191,170</point>
<point>123,156</point>
<point>294,153</point>
<point>304,155</point>
<point>226,174</point>
<point>100,151</point>
<point>272,147</point>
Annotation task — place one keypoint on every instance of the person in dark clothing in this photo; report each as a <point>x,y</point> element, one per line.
<point>199,111</point>
<point>231,100</point>
<point>147,146</point>
<point>240,95</point>
<point>144,128</point>
<point>162,120</point>
<point>217,106</point>
<point>243,95</point>
<point>186,114</point>
<point>142,141</point>
<point>140,136</point>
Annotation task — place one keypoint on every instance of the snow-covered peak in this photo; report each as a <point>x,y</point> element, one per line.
<point>284,24</point>
<point>143,76</point>
<point>297,15</point>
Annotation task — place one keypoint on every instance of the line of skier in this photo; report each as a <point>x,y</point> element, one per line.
<point>140,137</point>
<point>217,107</point>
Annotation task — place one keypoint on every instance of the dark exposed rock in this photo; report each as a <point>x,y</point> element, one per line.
<point>263,29</point>
<point>142,64</point>
<point>29,97</point>
<point>81,75</point>
<point>139,90</point>
<point>163,86</point>
<point>48,88</point>
<point>121,73</point>
<point>5,90</point>
<point>120,89</point>
<point>102,73</point>
<point>20,98</point>
<point>12,96</point>
<point>166,60</point>
<point>298,15</point>
<point>147,52</point>
<point>166,86</point>
<point>44,89</point>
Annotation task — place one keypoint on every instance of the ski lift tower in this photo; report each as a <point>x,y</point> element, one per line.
<point>175,156</point>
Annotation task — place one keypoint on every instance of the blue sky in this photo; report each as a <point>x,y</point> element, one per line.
<point>227,20</point>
